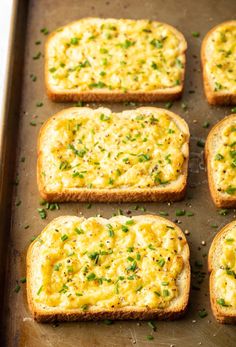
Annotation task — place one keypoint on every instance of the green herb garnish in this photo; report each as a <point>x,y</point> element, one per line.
<point>195,34</point>
<point>91,276</point>
<point>74,41</point>
<point>64,237</point>
<point>179,213</point>
<point>42,212</point>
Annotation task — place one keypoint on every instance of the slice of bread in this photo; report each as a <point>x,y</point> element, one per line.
<point>97,155</point>
<point>95,59</point>
<point>117,268</point>
<point>222,266</point>
<point>220,152</point>
<point>218,63</point>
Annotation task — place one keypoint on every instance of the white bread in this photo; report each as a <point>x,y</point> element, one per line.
<point>218,64</point>
<point>219,153</point>
<point>121,160</point>
<point>163,256</point>
<point>223,281</point>
<point>115,60</point>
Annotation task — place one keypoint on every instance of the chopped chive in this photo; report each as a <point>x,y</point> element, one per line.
<point>202,313</point>
<point>150,337</point>
<point>39,291</point>
<point>206,124</point>
<point>42,212</point>
<point>64,237</point>
<point>23,280</point>
<point>91,276</point>
<point>152,325</point>
<point>195,34</point>
<point>129,222</point>
<point>179,213</point>
<point>184,106</point>
<point>33,78</point>
<point>166,292</point>
<point>221,302</point>
<point>124,228</point>
<point>201,143</point>
<point>163,213</point>
<point>230,190</point>
<point>161,262</point>
<point>84,307</point>
<point>44,31</point>
<point>37,56</point>
<point>169,104</point>
<point>189,214</point>
<point>219,156</point>
<point>223,212</point>
<point>17,288</point>
<point>214,225</point>
<point>79,231</point>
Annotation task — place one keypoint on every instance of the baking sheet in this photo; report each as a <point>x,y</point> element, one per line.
<point>19,201</point>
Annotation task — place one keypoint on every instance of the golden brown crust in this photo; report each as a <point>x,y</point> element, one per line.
<point>167,94</point>
<point>222,315</point>
<point>214,97</point>
<point>44,316</point>
<point>116,195</point>
<point>220,200</point>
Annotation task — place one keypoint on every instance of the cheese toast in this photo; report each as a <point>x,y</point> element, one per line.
<point>222,266</point>
<point>220,151</point>
<point>95,59</point>
<point>98,155</point>
<point>218,55</point>
<point>117,268</point>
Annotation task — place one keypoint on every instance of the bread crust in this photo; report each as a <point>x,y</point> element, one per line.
<point>222,314</point>
<point>214,97</point>
<point>219,199</point>
<point>98,95</point>
<point>131,312</point>
<point>116,195</point>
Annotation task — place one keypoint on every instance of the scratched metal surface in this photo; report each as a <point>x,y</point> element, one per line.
<point>18,328</point>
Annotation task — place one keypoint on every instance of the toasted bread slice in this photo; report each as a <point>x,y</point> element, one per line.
<point>222,266</point>
<point>218,63</point>
<point>97,155</point>
<point>96,59</point>
<point>220,151</point>
<point>118,268</point>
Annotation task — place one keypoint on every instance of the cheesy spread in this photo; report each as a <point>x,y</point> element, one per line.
<point>98,263</point>
<point>225,278</point>
<point>99,149</point>
<point>115,55</point>
<point>221,58</point>
<point>224,161</point>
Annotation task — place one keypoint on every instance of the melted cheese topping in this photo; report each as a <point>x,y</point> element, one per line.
<point>121,55</point>
<point>225,279</point>
<point>221,64</point>
<point>106,150</point>
<point>106,264</point>
<point>224,161</point>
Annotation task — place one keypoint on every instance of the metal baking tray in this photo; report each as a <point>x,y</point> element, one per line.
<point>19,198</point>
